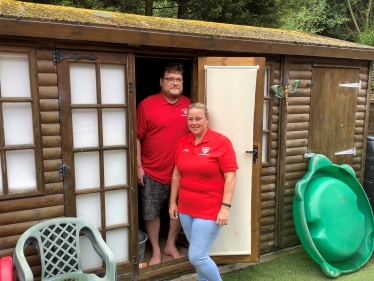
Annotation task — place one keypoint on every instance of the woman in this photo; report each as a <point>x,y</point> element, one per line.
<point>204,181</point>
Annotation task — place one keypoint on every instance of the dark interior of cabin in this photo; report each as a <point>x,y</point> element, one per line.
<point>148,71</point>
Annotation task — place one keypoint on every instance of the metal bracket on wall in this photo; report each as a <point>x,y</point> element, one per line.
<point>308,155</point>
<point>57,57</point>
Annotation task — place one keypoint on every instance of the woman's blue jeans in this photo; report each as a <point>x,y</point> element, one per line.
<point>201,235</point>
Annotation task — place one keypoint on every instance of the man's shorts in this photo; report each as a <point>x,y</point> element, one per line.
<point>154,195</point>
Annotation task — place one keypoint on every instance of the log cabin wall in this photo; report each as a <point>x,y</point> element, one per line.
<point>293,143</point>
<point>269,172</point>
<point>371,119</point>
<point>17,215</point>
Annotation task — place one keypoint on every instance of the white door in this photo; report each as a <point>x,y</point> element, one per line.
<point>230,86</point>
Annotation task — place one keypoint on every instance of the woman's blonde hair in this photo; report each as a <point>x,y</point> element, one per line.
<point>200,106</point>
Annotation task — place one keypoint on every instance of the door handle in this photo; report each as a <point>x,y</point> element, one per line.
<point>254,152</point>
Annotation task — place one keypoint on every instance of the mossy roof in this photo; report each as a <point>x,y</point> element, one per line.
<point>30,11</point>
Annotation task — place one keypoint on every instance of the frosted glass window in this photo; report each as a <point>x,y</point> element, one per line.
<point>89,258</point>
<point>114,127</point>
<point>83,83</point>
<point>18,126</point>
<point>88,208</point>
<point>118,243</point>
<point>85,128</point>
<point>266,79</point>
<point>112,84</point>
<point>21,170</point>
<point>14,75</point>
<point>87,170</point>
<point>115,167</point>
<point>264,147</point>
<point>116,207</point>
<point>265,115</point>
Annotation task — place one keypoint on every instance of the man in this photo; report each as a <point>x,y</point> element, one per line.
<point>160,123</point>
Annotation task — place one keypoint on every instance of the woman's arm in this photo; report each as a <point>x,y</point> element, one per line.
<point>228,193</point>
<point>173,208</point>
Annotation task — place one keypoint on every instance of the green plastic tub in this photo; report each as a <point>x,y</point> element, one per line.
<point>333,217</point>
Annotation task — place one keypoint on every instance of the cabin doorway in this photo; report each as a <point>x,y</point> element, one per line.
<point>148,71</point>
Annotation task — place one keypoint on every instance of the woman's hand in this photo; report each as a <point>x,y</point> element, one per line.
<point>223,216</point>
<point>173,211</point>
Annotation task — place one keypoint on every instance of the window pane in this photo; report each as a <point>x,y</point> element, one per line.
<point>88,208</point>
<point>116,207</point>
<point>118,242</point>
<point>18,126</point>
<point>115,167</point>
<point>264,147</point>
<point>112,84</point>
<point>87,163</point>
<point>14,75</point>
<point>21,170</point>
<point>265,115</point>
<point>83,83</point>
<point>89,257</point>
<point>266,80</point>
<point>85,128</point>
<point>114,127</point>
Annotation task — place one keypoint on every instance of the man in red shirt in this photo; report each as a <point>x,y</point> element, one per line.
<point>160,123</point>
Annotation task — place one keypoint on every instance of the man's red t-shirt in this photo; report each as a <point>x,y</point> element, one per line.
<point>201,169</point>
<point>159,126</point>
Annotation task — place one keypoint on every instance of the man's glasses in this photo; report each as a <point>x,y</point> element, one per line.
<point>171,80</point>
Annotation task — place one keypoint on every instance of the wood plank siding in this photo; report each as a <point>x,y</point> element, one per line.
<point>291,142</point>
<point>17,215</point>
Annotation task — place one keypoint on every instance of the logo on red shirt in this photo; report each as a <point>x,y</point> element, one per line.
<point>184,112</point>
<point>205,150</point>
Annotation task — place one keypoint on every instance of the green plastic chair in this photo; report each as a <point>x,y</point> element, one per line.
<point>57,243</point>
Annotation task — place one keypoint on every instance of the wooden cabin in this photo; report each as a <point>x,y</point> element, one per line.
<point>70,80</point>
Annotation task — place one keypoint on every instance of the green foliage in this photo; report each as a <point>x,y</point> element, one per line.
<point>249,12</point>
<point>366,37</point>
<point>314,16</point>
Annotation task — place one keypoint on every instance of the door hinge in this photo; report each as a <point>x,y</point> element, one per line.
<point>57,57</point>
<point>63,170</point>
<point>351,85</point>
<point>254,152</point>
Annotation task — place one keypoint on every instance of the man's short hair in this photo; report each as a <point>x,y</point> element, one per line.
<point>172,67</point>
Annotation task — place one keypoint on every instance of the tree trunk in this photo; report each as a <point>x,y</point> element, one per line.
<point>353,16</point>
<point>182,9</point>
<point>148,7</point>
<point>370,5</point>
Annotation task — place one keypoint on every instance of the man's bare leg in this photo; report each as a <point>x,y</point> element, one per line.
<point>153,228</point>
<point>170,249</point>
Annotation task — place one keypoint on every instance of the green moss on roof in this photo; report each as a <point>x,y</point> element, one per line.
<point>30,11</point>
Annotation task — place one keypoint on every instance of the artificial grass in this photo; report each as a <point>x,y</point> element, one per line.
<point>295,266</point>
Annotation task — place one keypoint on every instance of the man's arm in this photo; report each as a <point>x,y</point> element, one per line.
<point>139,162</point>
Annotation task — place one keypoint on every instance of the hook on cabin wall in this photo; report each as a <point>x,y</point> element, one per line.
<point>285,91</point>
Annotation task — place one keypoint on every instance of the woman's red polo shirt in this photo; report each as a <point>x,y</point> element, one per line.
<point>201,169</point>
